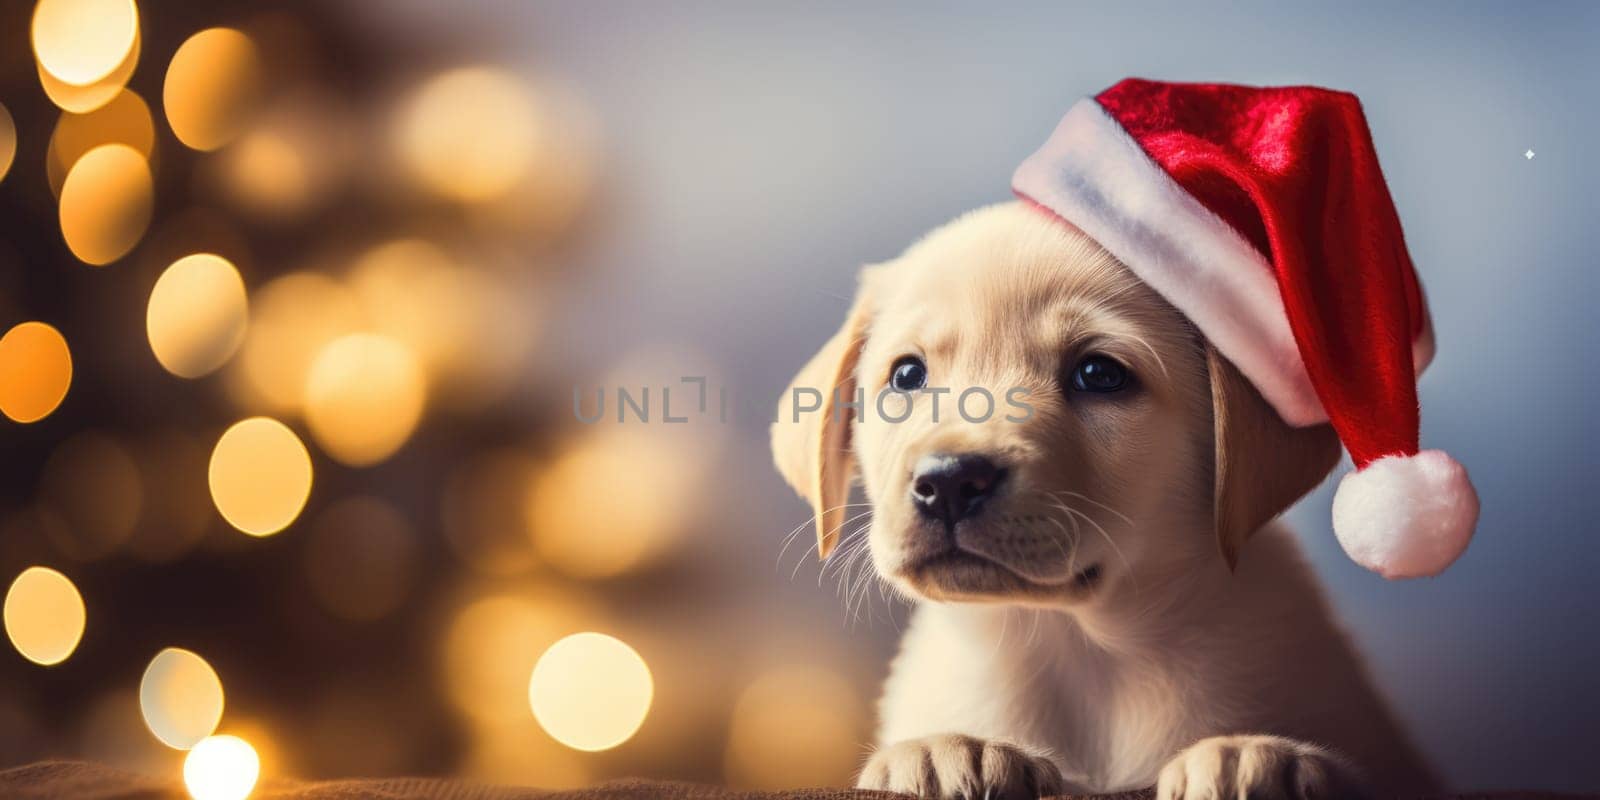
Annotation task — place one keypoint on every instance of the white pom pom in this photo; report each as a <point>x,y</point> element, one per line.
<point>1406,517</point>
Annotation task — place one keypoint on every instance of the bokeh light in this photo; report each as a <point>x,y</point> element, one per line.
<point>44,615</point>
<point>180,697</point>
<point>268,173</point>
<point>469,134</point>
<point>221,768</point>
<point>493,643</point>
<point>362,559</point>
<point>293,317</point>
<point>613,501</point>
<point>106,203</point>
<point>792,727</point>
<point>413,291</point>
<point>93,485</point>
<point>35,371</point>
<point>124,120</point>
<point>590,691</point>
<point>83,98</point>
<point>364,397</point>
<point>8,141</point>
<point>211,86</point>
<point>260,476</point>
<point>196,316</point>
<point>82,41</point>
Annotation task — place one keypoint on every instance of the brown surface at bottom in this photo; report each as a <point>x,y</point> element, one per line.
<point>53,780</point>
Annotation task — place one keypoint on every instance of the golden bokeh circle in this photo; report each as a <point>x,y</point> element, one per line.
<point>590,691</point>
<point>81,99</point>
<point>211,86</point>
<point>197,314</point>
<point>124,120</point>
<point>364,396</point>
<point>493,642</point>
<point>8,141</point>
<point>260,476</point>
<point>180,697</point>
<point>579,528</point>
<point>469,134</point>
<point>414,291</point>
<point>221,767</point>
<point>44,615</point>
<point>35,371</point>
<point>106,202</point>
<point>267,172</point>
<point>82,41</point>
<point>292,318</point>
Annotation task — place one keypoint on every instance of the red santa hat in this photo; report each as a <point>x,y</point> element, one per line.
<point>1261,215</point>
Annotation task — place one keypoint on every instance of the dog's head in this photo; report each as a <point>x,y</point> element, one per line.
<point>1031,423</point>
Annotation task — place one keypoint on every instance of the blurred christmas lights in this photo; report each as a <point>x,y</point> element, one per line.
<point>124,120</point>
<point>196,316</point>
<point>82,41</point>
<point>35,371</point>
<point>8,141</point>
<point>181,698</point>
<point>44,615</point>
<point>492,644</point>
<point>221,768</point>
<point>293,317</point>
<point>419,316</point>
<point>106,202</point>
<point>85,50</point>
<point>364,396</point>
<point>212,87</point>
<point>590,691</point>
<point>574,521</point>
<point>260,476</point>
<point>469,134</point>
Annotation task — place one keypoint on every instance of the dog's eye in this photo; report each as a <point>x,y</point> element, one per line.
<point>1099,374</point>
<point>908,374</point>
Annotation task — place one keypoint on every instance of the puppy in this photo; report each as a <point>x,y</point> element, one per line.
<point>1087,617</point>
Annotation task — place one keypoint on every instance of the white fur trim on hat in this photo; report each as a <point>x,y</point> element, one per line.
<point>1406,516</point>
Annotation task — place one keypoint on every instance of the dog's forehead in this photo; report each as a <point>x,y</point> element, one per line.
<point>1005,262</point>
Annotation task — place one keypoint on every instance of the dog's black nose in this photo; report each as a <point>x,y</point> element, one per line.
<point>952,486</point>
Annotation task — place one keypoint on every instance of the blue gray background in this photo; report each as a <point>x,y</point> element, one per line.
<point>757,154</point>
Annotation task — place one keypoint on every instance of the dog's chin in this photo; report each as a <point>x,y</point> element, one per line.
<point>956,575</point>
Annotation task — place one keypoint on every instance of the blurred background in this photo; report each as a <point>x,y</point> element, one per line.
<point>295,297</point>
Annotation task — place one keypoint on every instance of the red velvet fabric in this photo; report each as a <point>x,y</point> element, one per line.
<point>1294,171</point>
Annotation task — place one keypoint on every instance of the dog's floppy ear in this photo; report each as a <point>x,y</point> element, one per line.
<point>810,441</point>
<point>1263,465</point>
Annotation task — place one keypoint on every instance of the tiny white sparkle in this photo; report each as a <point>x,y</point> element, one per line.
<point>1528,155</point>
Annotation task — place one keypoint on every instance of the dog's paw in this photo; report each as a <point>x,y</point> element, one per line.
<point>1228,767</point>
<point>954,766</point>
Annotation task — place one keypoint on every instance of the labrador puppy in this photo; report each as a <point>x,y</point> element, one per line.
<point>1087,617</point>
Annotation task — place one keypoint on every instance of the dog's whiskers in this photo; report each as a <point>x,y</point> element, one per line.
<point>1110,542</point>
<point>789,539</point>
<point>1087,499</point>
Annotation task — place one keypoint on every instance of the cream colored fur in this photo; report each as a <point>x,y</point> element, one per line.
<point>1023,671</point>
